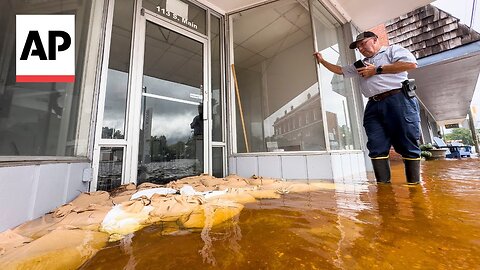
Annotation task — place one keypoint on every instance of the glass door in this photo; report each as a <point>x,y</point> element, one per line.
<point>171,135</point>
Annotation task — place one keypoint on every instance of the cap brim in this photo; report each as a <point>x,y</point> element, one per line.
<point>353,45</point>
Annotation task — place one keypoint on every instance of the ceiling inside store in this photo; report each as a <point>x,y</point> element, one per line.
<point>364,14</point>
<point>265,36</point>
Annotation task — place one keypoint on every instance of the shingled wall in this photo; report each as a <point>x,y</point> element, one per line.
<point>429,30</point>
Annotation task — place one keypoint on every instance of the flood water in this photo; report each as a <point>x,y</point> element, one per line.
<point>435,225</point>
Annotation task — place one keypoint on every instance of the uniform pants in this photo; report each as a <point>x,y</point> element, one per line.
<point>395,121</point>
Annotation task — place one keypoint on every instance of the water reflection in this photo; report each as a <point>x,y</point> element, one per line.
<point>347,225</point>
<point>126,246</point>
<point>349,205</point>
<point>229,236</point>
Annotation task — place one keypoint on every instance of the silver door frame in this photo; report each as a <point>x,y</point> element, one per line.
<point>134,108</point>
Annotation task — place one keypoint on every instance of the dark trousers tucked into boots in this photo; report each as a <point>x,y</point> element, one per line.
<point>412,171</point>
<point>393,121</point>
<point>381,168</point>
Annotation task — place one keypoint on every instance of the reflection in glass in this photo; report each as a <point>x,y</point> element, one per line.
<point>277,79</point>
<point>118,70</point>
<point>337,92</point>
<point>173,65</point>
<point>41,119</point>
<point>217,107</point>
<point>171,134</point>
<point>217,162</point>
<point>171,141</point>
<point>115,105</point>
<point>110,168</point>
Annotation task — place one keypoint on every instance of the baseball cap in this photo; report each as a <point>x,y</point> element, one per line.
<point>360,37</point>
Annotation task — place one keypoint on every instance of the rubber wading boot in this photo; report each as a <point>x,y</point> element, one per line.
<point>412,171</point>
<point>381,168</point>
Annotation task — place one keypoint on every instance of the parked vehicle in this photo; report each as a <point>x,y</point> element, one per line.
<point>455,149</point>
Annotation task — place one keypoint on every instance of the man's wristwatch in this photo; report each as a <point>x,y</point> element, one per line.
<point>379,70</point>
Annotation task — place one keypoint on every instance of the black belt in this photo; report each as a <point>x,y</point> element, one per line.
<point>384,95</point>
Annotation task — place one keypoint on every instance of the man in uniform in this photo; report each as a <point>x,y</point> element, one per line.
<point>392,114</point>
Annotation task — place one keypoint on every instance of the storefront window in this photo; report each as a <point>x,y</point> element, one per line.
<point>217,96</point>
<point>118,70</point>
<point>216,80</point>
<point>277,80</point>
<point>40,119</point>
<point>110,168</point>
<point>217,162</point>
<point>337,91</point>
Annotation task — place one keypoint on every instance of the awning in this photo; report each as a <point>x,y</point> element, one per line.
<point>446,82</point>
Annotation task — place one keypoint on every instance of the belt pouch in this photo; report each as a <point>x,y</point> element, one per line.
<point>408,88</point>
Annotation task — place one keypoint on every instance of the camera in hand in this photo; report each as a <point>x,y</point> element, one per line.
<point>359,64</point>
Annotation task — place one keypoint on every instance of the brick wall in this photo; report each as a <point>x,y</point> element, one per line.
<point>381,32</point>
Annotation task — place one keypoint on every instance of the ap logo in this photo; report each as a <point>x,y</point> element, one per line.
<point>45,48</point>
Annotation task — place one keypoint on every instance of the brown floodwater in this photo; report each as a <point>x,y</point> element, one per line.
<point>357,225</point>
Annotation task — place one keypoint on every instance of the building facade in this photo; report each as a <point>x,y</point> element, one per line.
<point>173,88</point>
<point>448,54</point>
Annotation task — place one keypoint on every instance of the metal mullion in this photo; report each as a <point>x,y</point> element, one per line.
<point>207,63</point>
<point>101,96</point>
<point>225,164</point>
<point>223,84</point>
<point>319,79</point>
<point>134,83</point>
<point>232,139</point>
<point>222,144</point>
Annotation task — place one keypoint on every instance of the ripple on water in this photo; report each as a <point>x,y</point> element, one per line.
<point>434,225</point>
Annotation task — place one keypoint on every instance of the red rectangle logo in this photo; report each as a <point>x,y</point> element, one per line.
<point>45,78</point>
